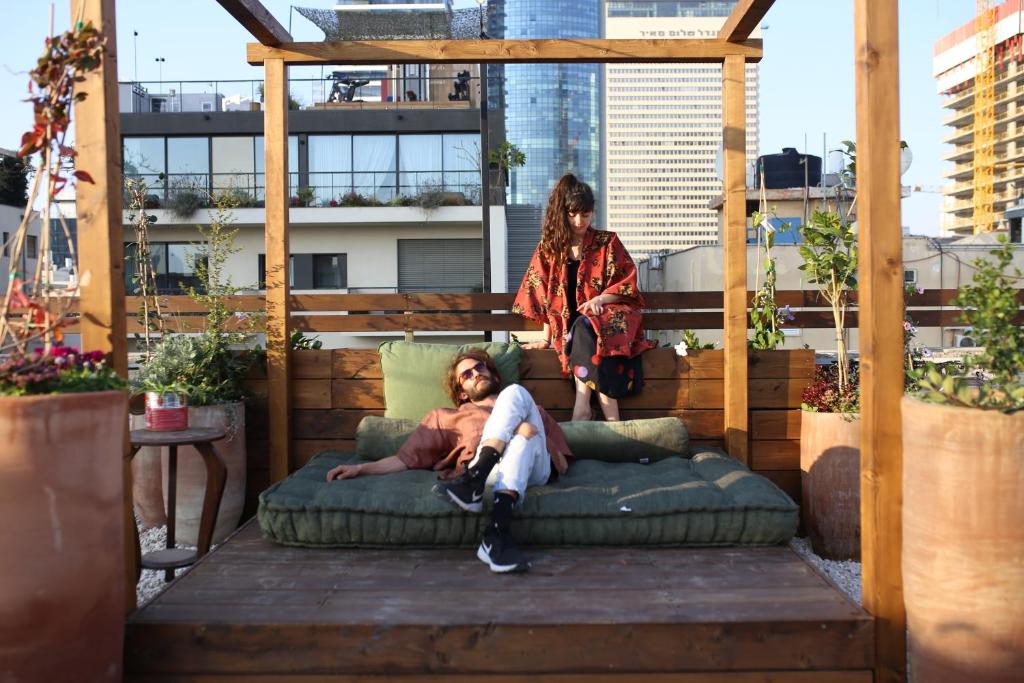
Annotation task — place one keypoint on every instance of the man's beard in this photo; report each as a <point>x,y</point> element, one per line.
<point>481,389</point>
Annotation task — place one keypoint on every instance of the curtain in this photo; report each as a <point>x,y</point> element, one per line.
<point>373,159</point>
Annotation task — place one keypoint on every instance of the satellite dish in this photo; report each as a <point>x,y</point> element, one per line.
<point>906,158</point>
<point>966,342</point>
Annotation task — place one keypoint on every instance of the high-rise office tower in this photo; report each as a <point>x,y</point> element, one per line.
<point>663,129</point>
<point>954,68</point>
<point>552,111</point>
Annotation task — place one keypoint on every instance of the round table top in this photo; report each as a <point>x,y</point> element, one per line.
<point>145,437</point>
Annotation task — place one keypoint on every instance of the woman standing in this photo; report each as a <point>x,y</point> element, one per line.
<point>581,283</point>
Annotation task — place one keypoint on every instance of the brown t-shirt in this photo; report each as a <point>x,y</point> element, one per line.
<point>448,438</point>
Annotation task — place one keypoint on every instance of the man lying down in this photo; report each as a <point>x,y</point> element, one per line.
<point>487,430</point>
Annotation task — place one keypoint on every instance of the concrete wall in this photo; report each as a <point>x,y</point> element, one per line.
<point>10,219</point>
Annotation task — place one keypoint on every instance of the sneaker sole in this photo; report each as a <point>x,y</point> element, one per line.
<point>497,568</point>
<point>444,494</point>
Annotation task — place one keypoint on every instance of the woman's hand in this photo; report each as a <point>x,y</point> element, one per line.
<point>344,472</point>
<point>537,345</point>
<point>594,306</point>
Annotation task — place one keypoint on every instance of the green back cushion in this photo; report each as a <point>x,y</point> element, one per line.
<point>414,374</point>
<point>629,441</point>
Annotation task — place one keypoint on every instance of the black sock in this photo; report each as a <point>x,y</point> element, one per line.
<point>501,514</point>
<point>482,464</point>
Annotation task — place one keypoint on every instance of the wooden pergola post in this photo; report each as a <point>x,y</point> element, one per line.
<point>100,232</point>
<point>734,139</point>
<point>278,290</point>
<point>881,329</point>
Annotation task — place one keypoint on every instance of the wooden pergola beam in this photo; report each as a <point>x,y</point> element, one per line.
<point>876,44</point>
<point>744,19</point>
<point>506,51</point>
<point>255,18</point>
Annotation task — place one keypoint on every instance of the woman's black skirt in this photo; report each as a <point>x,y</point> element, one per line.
<point>613,376</point>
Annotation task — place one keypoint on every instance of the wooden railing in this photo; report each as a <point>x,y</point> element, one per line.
<point>430,312</point>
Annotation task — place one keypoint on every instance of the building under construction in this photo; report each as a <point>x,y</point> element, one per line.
<point>978,68</point>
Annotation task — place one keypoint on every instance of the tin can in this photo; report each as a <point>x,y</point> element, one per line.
<point>166,412</point>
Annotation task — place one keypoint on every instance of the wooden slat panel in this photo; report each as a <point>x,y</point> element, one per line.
<point>419,322</point>
<point>787,480</point>
<point>311,364</point>
<point>355,364</point>
<point>775,424</point>
<point>876,46</point>
<point>781,364</point>
<point>703,677</point>
<point>708,364</point>
<point>506,51</point>
<point>657,364</point>
<point>357,393</point>
<point>276,241</point>
<point>329,424</point>
<point>743,20</point>
<point>311,393</point>
<point>775,455</point>
<point>255,19</point>
<point>776,393</point>
<point>303,450</point>
<point>707,443</point>
<point>658,393</point>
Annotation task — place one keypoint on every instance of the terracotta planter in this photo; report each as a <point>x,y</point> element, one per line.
<point>830,483</point>
<point>149,472</point>
<point>963,542</point>
<point>62,537</point>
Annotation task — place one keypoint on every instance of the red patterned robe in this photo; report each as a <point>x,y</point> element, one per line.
<point>605,268</point>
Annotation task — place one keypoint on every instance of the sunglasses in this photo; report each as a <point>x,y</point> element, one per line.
<point>479,369</point>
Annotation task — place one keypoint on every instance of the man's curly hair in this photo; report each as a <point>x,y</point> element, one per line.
<point>452,383</point>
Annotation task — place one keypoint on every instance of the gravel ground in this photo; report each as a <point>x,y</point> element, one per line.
<point>152,581</point>
<point>846,574</point>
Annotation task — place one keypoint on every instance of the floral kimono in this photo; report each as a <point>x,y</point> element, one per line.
<point>605,268</point>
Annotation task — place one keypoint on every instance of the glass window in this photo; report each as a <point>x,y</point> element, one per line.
<point>144,159</point>
<point>330,166</point>
<point>261,265</point>
<point>462,164</point>
<point>188,162</point>
<point>419,162</point>
<point>234,164</point>
<point>181,259</point>
<point>293,165</point>
<point>30,246</point>
<point>373,161</point>
<point>329,271</point>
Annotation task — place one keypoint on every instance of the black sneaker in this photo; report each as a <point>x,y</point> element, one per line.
<point>499,553</point>
<point>465,491</point>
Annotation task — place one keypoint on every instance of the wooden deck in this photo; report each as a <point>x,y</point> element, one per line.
<point>254,610</point>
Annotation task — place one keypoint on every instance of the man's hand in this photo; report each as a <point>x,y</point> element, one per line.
<point>344,472</point>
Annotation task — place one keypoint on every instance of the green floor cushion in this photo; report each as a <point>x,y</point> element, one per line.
<point>414,374</point>
<point>708,499</point>
<point>627,441</point>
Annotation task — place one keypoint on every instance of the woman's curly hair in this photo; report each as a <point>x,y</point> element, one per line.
<point>452,383</point>
<point>571,195</point>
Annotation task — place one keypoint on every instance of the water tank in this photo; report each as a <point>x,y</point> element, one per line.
<point>787,169</point>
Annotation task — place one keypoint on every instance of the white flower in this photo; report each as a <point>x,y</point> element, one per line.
<point>680,348</point>
<point>768,227</point>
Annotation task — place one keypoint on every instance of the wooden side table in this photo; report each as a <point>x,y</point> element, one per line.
<point>216,474</point>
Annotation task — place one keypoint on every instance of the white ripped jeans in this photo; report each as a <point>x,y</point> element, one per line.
<point>525,462</point>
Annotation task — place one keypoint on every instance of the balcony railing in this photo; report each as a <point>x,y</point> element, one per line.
<point>346,89</point>
<point>321,189</point>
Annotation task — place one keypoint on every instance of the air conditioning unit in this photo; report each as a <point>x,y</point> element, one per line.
<point>207,106</point>
<point>964,339</point>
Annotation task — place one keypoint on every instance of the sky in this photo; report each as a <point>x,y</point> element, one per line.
<point>807,86</point>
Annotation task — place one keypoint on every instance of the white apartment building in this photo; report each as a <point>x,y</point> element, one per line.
<point>663,129</point>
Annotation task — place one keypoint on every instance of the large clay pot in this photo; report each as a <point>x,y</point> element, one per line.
<point>149,470</point>
<point>830,483</point>
<point>62,574</point>
<point>963,542</point>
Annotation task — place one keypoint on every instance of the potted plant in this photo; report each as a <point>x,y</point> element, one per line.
<point>210,369</point>
<point>830,421</point>
<point>62,420</point>
<point>963,478</point>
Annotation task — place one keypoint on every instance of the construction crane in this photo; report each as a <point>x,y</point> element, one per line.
<point>984,116</point>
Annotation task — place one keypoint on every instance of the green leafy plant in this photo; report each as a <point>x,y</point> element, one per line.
<point>830,260</point>
<point>506,157</point>
<point>990,307</point>
<point>13,181</point>
<point>306,195</point>
<point>356,199</point>
<point>826,394</point>
<point>185,199</point>
<point>300,342</point>
<point>430,196</point>
<point>766,318</point>
<point>235,198</point>
<point>210,366</point>
<point>149,314</point>
<point>398,200</point>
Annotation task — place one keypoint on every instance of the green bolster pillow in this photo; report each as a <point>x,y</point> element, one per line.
<point>629,441</point>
